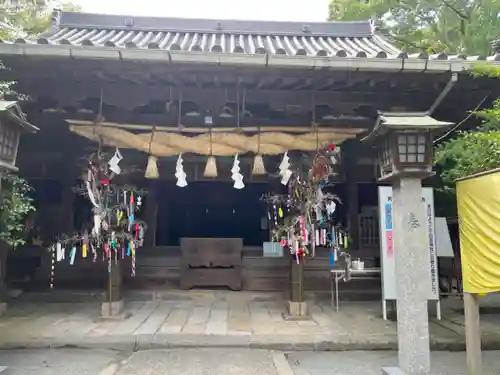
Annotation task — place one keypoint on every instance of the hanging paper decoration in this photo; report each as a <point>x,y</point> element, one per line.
<point>114,161</point>
<point>334,153</point>
<point>309,221</point>
<point>284,169</point>
<point>179,173</point>
<point>236,176</point>
<point>52,267</point>
<point>72,255</point>
<point>152,168</point>
<point>114,223</point>
<point>132,250</point>
<point>59,252</point>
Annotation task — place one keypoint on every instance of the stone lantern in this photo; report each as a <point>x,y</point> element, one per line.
<point>404,142</point>
<point>12,124</point>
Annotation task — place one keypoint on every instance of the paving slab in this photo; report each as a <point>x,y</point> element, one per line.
<point>370,363</point>
<point>62,361</point>
<point>232,319</point>
<point>199,362</point>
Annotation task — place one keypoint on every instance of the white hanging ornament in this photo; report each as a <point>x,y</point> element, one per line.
<point>179,173</point>
<point>285,163</point>
<point>330,207</point>
<point>97,224</point>
<point>91,193</point>
<point>334,155</point>
<point>236,176</point>
<point>114,161</point>
<point>284,168</point>
<point>236,168</point>
<point>59,252</point>
<point>238,183</point>
<point>286,177</point>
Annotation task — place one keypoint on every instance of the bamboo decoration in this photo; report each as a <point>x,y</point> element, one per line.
<point>211,167</point>
<point>258,163</point>
<point>152,166</point>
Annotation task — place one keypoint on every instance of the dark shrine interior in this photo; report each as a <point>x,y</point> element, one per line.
<point>205,208</point>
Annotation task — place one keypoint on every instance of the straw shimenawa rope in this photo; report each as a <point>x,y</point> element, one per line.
<point>211,166</point>
<point>152,166</point>
<point>258,163</point>
<point>223,144</point>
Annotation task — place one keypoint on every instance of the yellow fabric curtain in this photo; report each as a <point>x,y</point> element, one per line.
<point>479,217</point>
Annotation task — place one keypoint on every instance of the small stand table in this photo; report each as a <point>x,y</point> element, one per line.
<point>339,274</point>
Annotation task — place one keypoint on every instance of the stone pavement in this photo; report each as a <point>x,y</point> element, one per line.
<point>220,318</point>
<point>208,361</point>
<point>222,361</point>
<point>59,361</point>
<point>370,363</point>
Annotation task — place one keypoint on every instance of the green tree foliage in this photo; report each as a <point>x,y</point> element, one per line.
<point>470,152</point>
<point>452,26</point>
<point>20,18</point>
<point>15,205</point>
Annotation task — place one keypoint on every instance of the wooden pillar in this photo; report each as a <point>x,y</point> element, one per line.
<point>113,303</point>
<point>296,281</point>
<point>297,307</point>
<point>4,251</point>
<point>66,209</point>
<point>151,214</point>
<point>349,160</point>
<point>473,334</point>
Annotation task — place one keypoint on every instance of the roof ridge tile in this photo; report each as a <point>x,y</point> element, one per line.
<point>141,23</point>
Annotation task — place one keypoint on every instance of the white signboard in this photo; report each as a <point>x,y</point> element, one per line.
<point>387,248</point>
<point>443,241</point>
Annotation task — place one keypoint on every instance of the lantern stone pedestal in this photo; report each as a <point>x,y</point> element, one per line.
<point>112,307</point>
<point>405,158</point>
<point>412,278</point>
<point>297,307</point>
<point>4,251</point>
<point>12,124</point>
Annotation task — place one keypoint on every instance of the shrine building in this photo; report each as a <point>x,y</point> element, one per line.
<point>210,90</point>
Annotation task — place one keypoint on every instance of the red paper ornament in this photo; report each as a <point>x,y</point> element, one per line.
<point>105,181</point>
<point>283,243</point>
<point>332,147</point>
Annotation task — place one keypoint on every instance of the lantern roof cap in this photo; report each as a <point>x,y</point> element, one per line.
<point>13,110</point>
<point>405,121</point>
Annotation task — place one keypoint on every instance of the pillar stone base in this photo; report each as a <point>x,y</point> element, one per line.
<point>393,371</point>
<point>3,307</point>
<point>296,311</point>
<point>112,309</point>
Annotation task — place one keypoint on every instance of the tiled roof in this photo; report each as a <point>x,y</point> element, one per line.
<point>324,39</point>
<point>222,36</point>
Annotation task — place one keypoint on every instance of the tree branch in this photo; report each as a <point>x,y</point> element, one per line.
<point>403,40</point>
<point>459,13</point>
